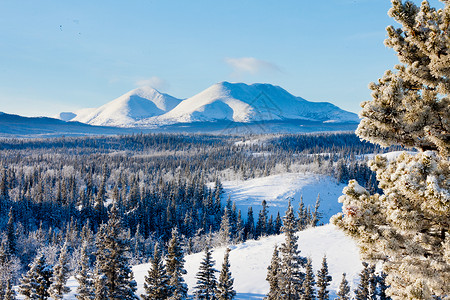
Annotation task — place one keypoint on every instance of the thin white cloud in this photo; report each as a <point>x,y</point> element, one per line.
<point>251,65</point>
<point>154,82</point>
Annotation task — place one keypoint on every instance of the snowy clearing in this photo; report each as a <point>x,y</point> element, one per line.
<point>278,189</point>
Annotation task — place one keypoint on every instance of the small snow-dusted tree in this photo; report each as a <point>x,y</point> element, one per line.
<point>10,293</point>
<point>36,282</point>
<point>344,289</point>
<point>156,283</point>
<point>382,287</point>
<point>308,291</point>
<point>365,290</point>
<point>273,274</point>
<point>9,267</point>
<point>112,259</point>
<point>316,215</point>
<point>60,275</point>
<point>225,229</point>
<point>100,286</point>
<point>206,280</point>
<point>10,234</point>
<point>225,289</point>
<point>323,281</point>
<point>408,226</point>
<point>175,268</point>
<point>291,263</point>
<point>85,289</point>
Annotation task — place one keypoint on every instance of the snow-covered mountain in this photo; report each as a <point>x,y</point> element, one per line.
<point>138,104</point>
<point>239,102</point>
<point>223,102</point>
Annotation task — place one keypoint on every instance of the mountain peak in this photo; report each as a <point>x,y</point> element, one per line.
<point>138,104</point>
<point>240,102</point>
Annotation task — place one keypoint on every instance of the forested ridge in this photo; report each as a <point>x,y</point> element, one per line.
<point>56,192</point>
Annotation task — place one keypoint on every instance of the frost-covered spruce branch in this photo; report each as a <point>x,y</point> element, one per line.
<point>407,227</point>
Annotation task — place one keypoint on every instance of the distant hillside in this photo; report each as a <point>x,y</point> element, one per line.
<point>18,126</point>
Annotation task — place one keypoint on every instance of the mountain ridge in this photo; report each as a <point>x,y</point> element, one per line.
<point>223,101</point>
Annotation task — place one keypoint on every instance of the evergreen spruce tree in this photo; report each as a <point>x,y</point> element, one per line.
<point>316,215</point>
<point>261,224</point>
<point>112,260</point>
<point>344,289</point>
<point>60,275</point>
<point>362,292</point>
<point>9,267</point>
<point>408,225</point>
<point>175,268</point>
<point>323,281</point>
<point>302,215</point>
<point>250,225</point>
<point>100,285</point>
<point>10,293</point>
<point>373,283</point>
<point>278,224</point>
<point>225,289</point>
<point>291,263</point>
<point>156,283</point>
<point>36,282</point>
<point>382,287</point>
<point>85,289</point>
<point>225,229</point>
<point>308,291</point>
<point>10,234</point>
<point>206,280</point>
<point>273,276</point>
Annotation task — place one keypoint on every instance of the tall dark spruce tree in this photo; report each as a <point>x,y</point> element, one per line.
<point>365,290</point>
<point>273,276</point>
<point>175,268</point>
<point>156,283</point>
<point>206,278</point>
<point>60,275</point>
<point>323,281</point>
<point>225,289</point>
<point>344,289</point>
<point>9,266</point>
<point>112,260</point>
<point>85,289</point>
<point>292,264</point>
<point>36,282</point>
<point>308,286</point>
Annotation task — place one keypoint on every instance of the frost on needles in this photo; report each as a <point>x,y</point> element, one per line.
<point>407,226</point>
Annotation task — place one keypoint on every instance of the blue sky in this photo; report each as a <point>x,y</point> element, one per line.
<point>65,55</point>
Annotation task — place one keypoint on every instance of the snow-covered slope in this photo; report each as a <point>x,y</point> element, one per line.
<point>240,102</point>
<point>138,104</point>
<point>278,189</point>
<point>249,262</point>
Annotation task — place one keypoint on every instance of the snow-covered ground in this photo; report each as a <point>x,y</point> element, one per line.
<point>249,261</point>
<point>278,189</point>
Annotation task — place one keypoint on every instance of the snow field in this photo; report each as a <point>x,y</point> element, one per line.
<point>278,189</point>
